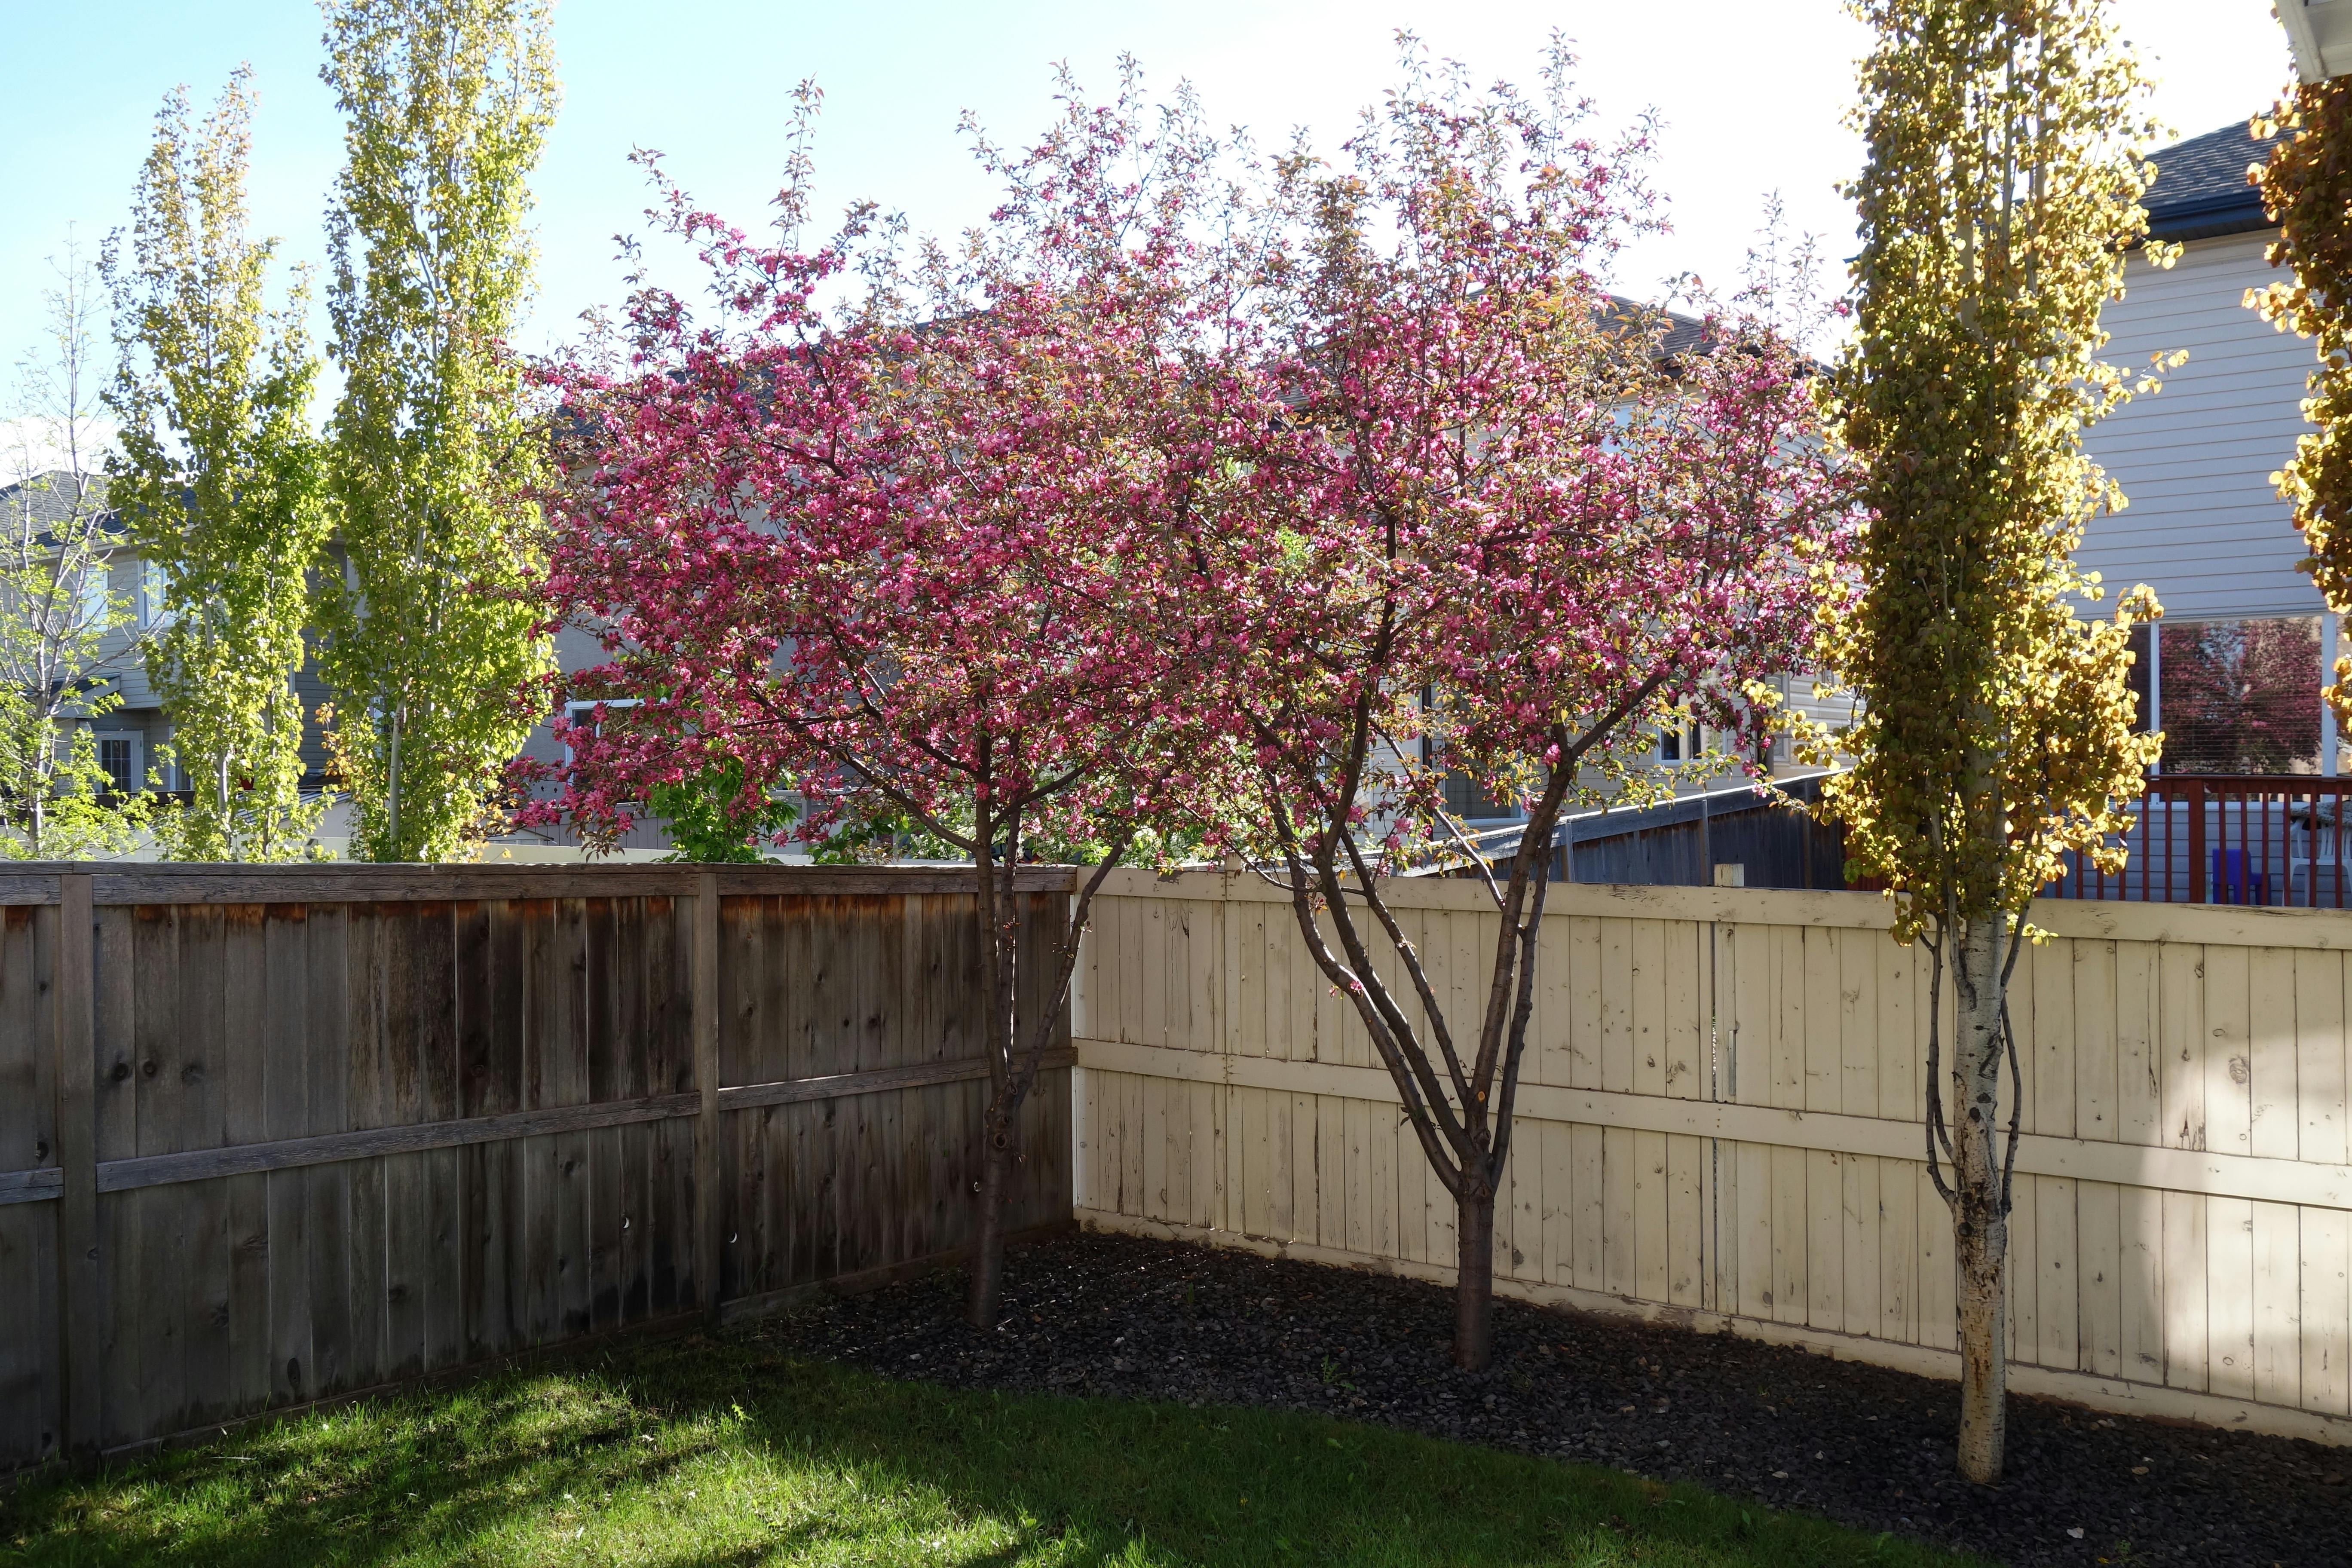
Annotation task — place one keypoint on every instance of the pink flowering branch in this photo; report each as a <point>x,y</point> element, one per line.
<point>904,555</point>
<point>1496,515</point>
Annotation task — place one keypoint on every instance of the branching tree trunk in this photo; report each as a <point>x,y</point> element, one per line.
<point>1486,484</point>
<point>1015,1056</point>
<point>1984,955</point>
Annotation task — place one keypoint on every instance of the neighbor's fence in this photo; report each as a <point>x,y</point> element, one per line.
<point>270,1134</point>
<point>1720,1125</point>
<point>2230,838</point>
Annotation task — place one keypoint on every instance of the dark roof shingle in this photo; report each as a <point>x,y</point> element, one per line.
<point>2201,186</point>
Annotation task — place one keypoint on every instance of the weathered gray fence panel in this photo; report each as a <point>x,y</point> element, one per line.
<point>342,1129</point>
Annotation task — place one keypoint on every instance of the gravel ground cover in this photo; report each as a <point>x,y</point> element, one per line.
<point>1864,1447</point>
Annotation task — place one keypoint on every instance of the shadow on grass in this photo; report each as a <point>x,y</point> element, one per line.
<point>722,1453</point>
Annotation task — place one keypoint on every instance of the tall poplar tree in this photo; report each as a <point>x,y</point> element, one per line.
<point>2306,189</point>
<point>218,482</point>
<point>2000,202</point>
<point>447,104</point>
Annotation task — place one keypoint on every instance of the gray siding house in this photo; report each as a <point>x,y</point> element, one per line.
<point>2205,527</point>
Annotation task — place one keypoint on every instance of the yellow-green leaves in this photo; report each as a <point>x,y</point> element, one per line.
<point>2002,198</point>
<point>2307,190</point>
<point>429,638</point>
<point>219,484</point>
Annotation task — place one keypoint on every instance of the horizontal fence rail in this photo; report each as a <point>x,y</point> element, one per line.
<point>2230,838</point>
<point>1720,1126</point>
<point>276,1134</point>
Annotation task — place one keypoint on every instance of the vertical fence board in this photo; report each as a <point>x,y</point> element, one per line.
<point>76,1411</point>
<point>40,1095</point>
<point>2326,1287</point>
<point>246,1001</point>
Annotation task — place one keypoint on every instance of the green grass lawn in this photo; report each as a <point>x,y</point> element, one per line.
<point>722,1453</point>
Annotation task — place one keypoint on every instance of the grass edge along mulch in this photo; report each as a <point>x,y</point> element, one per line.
<point>722,1452</point>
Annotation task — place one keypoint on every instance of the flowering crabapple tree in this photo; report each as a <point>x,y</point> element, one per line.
<point>1497,531</point>
<point>899,553</point>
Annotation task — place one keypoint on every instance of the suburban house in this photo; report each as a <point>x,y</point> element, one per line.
<point>132,736</point>
<point>128,735</point>
<point>2235,678</point>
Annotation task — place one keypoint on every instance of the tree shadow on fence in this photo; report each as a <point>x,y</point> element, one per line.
<point>723,1454</point>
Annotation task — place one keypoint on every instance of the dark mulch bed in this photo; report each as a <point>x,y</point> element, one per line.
<point>1870,1449</point>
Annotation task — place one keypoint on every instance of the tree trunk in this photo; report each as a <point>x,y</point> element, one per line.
<point>988,1250</point>
<point>1473,1284</point>
<point>1979,1218</point>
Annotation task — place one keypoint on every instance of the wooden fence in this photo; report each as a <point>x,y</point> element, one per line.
<point>269,1135</point>
<point>1721,1126</point>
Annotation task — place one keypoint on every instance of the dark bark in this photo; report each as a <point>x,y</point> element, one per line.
<point>1473,1284</point>
<point>1014,1060</point>
<point>1000,944</point>
<point>988,1253</point>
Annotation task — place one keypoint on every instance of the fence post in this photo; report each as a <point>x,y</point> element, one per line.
<point>2196,794</point>
<point>706,1080</point>
<point>73,992</point>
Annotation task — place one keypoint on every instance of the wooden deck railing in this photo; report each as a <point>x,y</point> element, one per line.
<point>2231,838</point>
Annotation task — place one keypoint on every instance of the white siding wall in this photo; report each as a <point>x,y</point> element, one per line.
<point>2204,528</point>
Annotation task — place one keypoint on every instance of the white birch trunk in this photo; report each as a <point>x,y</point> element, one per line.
<point>1979,1219</point>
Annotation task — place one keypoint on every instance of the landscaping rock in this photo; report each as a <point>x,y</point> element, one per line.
<point>1123,1317</point>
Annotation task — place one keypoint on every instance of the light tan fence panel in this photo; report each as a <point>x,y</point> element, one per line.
<point>1720,1122</point>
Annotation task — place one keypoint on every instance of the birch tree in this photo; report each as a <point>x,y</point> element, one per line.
<point>219,483</point>
<point>66,636</point>
<point>428,637</point>
<point>2000,199</point>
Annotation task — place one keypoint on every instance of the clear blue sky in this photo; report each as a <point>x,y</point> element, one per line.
<point>1751,94</point>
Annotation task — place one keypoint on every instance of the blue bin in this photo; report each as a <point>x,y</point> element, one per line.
<point>2234,882</point>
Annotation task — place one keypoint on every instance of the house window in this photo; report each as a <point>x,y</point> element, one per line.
<point>151,612</point>
<point>96,594</point>
<point>1465,799</point>
<point>2239,696</point>
<point>582,715</point>
<point>118,755</point>
<point>1681,744</point>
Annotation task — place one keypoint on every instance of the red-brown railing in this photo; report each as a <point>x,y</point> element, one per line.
<point>2231,838</point>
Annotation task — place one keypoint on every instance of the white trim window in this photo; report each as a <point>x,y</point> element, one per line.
<point>152,609</point>
<point>97,592</point>
<point>118,754</point>
<point>573,712</point>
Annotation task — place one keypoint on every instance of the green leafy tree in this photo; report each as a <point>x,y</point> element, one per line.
<point>2000,202</point>
<point>714,817</point>
<point>218,482</point>
<point>66,636</point>
<point>428,633</point>
<point>2306,189</point>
